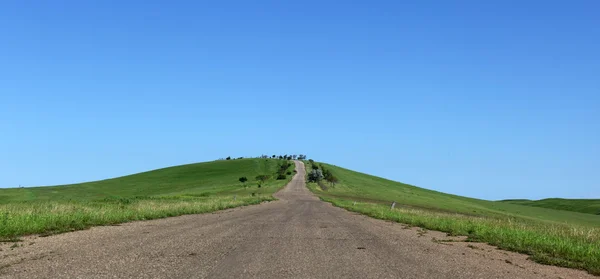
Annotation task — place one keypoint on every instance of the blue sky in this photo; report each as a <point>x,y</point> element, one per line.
<point>488,99</point>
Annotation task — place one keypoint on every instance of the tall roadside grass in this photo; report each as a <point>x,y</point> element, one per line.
<point>50,217</point>
<point>548,243</point>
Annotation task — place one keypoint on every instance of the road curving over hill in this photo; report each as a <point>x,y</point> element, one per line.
<point>297,236</point>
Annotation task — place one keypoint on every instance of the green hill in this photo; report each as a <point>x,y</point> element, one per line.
<point>209,178</point>
<point>363,187</point>
<point>589,206</point>
<point>173,191</point>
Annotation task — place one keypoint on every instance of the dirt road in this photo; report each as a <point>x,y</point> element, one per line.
<point>295,237</point>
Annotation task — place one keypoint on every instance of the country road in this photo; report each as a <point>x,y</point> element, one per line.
<point>297,236</point>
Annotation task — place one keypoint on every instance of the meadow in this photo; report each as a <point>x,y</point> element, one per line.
<point>549,236</point>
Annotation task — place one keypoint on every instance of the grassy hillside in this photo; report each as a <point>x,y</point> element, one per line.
<point>212,178</point>
<point>557,237</point>
<point>358,186</point>
<point>173,191</point>
<point>589,206</point>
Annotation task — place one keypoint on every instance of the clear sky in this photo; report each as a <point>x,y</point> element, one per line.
<point>488,99</point>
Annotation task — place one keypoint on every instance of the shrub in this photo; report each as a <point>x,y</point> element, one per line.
<point>283,167</point>
<point>262,177</point>
<point>281,177</point>
<point>289,173</point>
<point>315,176</point>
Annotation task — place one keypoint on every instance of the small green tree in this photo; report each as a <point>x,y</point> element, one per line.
<point>243,179</point>
<point>262,177</point>
<point>331,179</point>
<point>326,172</point>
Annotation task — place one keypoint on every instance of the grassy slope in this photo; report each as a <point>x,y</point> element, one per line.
<point>215,178</point>
<point>355,185</point>
<point>589,206</point>
<point>194,188</point>
<point>550,236</point>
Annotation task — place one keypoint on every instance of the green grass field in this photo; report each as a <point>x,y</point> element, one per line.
<point>589,206</point>
<point>549,236</point>
<point>187,189</point>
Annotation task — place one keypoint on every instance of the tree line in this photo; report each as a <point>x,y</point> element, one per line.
<point>280,157</point>
<point>284,157</point>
